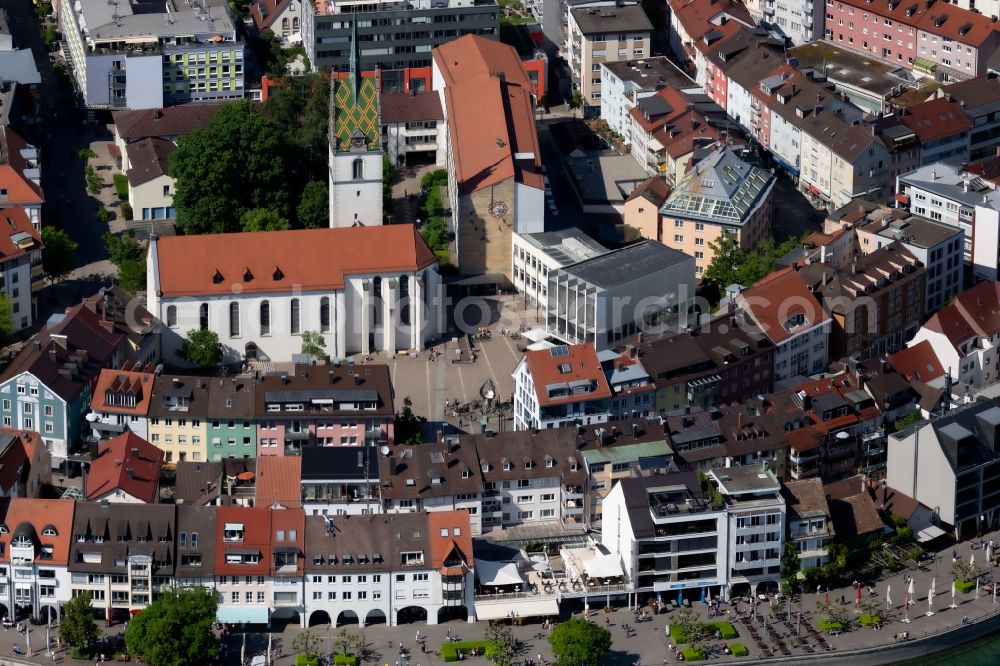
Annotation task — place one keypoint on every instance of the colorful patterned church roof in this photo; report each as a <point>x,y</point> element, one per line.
<point>355,107</point>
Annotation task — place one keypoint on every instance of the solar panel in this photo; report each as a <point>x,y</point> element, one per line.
<point>559,350</point>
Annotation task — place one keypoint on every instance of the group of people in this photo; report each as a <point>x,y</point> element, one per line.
<point>903,635</point>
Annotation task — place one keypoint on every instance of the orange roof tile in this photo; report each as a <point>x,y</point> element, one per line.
<point>936,119</point>
<point>256,522</point>
<point>119,382</point>
<point>279,481</point>
<point>19,236</point>
<point>20,190</point>
<point>473,57</point>
<point>309,259</point>
<point>960,25</point>
<point>918,362</point>
<point>449,530</point>
<point>697,16</point>
<point>126,462</point>
<point>50,521</point>
<point>974,312</point>
<point>578,364</point>
<point>781,295</point>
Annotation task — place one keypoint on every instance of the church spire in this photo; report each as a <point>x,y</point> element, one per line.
<point>355,65</point>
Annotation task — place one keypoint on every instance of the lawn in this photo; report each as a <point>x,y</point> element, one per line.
<point>739,650</point>
<point>726,630</point>
<point>302,660</point>
<point>346,659</point>
<point>830,625</point>
<point>121,186</point>
<point>449,651</point>
<point>693,654</point>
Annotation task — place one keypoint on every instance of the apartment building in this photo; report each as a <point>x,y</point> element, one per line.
<point>531,477</point>
<point>756,523</point>
<point>393,36</point>
<point>121,403</point>
<point>333,405</point>
<point>978,99</point>
<point>951,464</point>
<point>604,34</point>
<point>667,132</point>
<point>21,245</point>
<point>231,428</point>
<point>625,82</point>
<point>195,547</point>
<point>936,246</point>
<point>691,20</point>
<point>782,308</point>
<point>560,386</point>
<point>125,470</point>
<point>147,55</point>
<point>178,410</point>
<point>339,480</point>
<point>610,298</point>
<point>413,127</point>
<point>876,301</point>
<point>937,130</point>
<point>963,335</point>
<point>720,194</point>
<point>281,17</point>
<point>633,390</point>
<point>798,22</point>
<point>810,527</point>
<point>945,193</point>
<point>534,255</point>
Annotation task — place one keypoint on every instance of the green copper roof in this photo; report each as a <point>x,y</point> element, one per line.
<point>626,452</point>
<point>356,116</point>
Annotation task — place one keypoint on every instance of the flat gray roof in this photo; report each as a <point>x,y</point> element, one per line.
<point>118,19</point>
<point>746,479</point>
<point>918,231</point>
<point>853,69</point>
<point>622,266</point>
<point>593,20</point>
<point>646,74</point>
<point>947,180</point>
<point>19,65</point>
<point>566,246</point>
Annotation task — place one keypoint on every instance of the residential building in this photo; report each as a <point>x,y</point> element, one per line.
<point>283,18</point>
<point>666,133</point>
<point>604,34</point>
<point>940,127</point>
<point>34,552</point>
<point>338,405</point>
<point>534,255</point>
<point>20,248</point>
<point>853,509</point>
<point>412,31</point>
<point>122,557</point>
<point>978,98</point>
<point>783,309</point>
<point>721,193</point>
<point>21,199</point>
<point>340,480</point>
<point>391,568</point>
<point>215,483</point>
<point>178,410</point>
<point>378,292</point>
<point>951,465</point>
<point>435,476</point>
<point>756,517</point>
<point>810,527</point>
<point>231,419</point>
<point>936,246</point>
<point>413,129</point>
<point>691,20</point>
<point>145,57</point>
<point>532,478</point>
<point>625,82</point>
<point>20,176</point>
<point>118,312</point>
<point>955,44</point>
<point>630,384</point>
<point>125,470</point>
<point>963,335</point>
<point>121,403</point>
<point>278,482</point>
<point>167,124</point>
<point>604,300</point>
<point>195,547</point>
<point>876,302</point>
<point>670,537</point>
<point>945,193</point>
<point>642,208</point>
<point>560,386</point>
<point>150,187</point>
<point>799,23</point>
<point>25,464</point>
<point>495,181</point>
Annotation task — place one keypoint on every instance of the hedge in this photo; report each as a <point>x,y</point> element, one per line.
<point>302,660</point>
<point>965,586</point>
<point>121,185</point>
<point>693,654</point>
<point>347,659</point>
<point>449,651</point>
<point>726,629</point>
<point>830,625</point>
<point>739,650</point>
<point>869,619</point>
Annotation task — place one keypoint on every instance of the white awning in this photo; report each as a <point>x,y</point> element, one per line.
<point>929,533</point>
<point>497,610</point>
<point>538,346</point>
<point>536,334</point>
<point>497,573</point>
<point>605,566</point>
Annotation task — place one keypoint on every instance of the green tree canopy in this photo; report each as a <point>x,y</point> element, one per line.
<point>176,629</point>
<point>313,344</point>
<point>263,219</point>
<point>201,348</point>
<point>308,645</point>
<point>234,164</point>
<point>408,425</point>
<point>314,206</point>
<point>129,256</point>
<point>732,264</point>
<point>77,628</point>
<point>388,179</point>
<point>59,253</point>
<point>578,642</point>
<point>6,320</point>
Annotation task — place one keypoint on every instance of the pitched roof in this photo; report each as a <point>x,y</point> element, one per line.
<point>47,522</point>
<point>15,169</point>
<point>337,383</point>
<point>256,524</point>
<point>306,259</point>
<point>806,496</point>
<point>114,532</point>
<point>701,16</point>
<point>112,385</point>
<point>472,57</point>
<point>960,25</point>
<point>172,391</point>
<point>381,538</point>
<point>169,121</point>
<point>197,483</point>
<point>654,190</point>
<point>399,107</point>
<point>15,458</point>
<point>782,295</point>
<point>856,515</point>
<point>128,463</point>
<point>264,12</point>
<point>231,398</point>
<point>449,535</point>
<point>149,158</point>
<point>18,237</point>
<point>430,470</point>
<point>279,481</point>
<point>721,188</point>
<point>895,502</point>
<point>563,366</point>
<point>974,312</point>
<point>936,119</point>
<point>917,363</point>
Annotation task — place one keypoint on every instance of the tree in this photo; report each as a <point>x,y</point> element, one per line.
<point>234,164</point>
<point>408,426</point>
<point>790,564</point>
<point>313,344</point>
<point>502,637</point>
<point>263,219</point>
<point>578,642</point>
<point>314,206</point>
<point>308,645</point>
<point>86,154</point>
<point>347,643</point>
<point>388,178</point>
<point>727,259</point>
<point>77,628</point>
<point>6,320</point>
<point>201,348</point>
<point>575,100</point>
<point>129,256</point>
<point>58,254</point>
<point>690,628</point>
<point>176,629</point>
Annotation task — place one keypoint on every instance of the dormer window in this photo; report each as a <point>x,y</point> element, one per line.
<point>506,466</point>
<point>217,278</point>
<point>49,531</point>
<point>466,473</point>
<point>527,463</point>
<point>4,530</point>
<point>485,467</point>
<point>233,532</point>
<point>550,462</point>
<point>277,275</point>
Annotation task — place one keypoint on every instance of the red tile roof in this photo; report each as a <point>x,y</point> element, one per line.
<point>38,516</point>
<point>578,364</point>
<point>974,312</point>
<point>118,382</point>
<point>918,362</point>
<point>956,23</point>
<point>473,57</point>
<point>449,531</point>
<point>128,463</point>
<point>279,481</point>
<point>775,299</point>
<point>18,237</point>
<point>308,259</point>
<point>20,190</point>
<point>936,119</point>
<point>256,522</point>
<point>700,16</point>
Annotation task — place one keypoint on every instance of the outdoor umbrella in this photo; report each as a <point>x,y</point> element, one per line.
<point>977,589</point>
<point>826,599</point>
<point>953,604</point>
<point>906,609</point>
<point>269,636</point>
<point>888,599</point>
<point>857,594</point>
<point>930,601</point>
<point>972,559</point>
<point>910,590</point>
